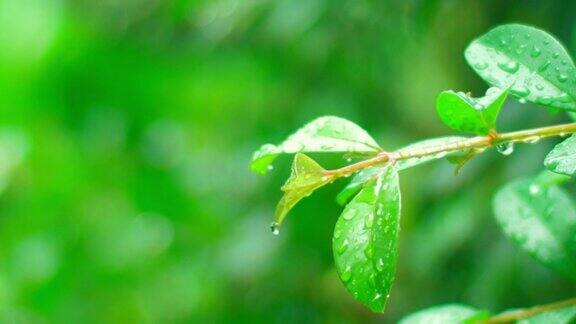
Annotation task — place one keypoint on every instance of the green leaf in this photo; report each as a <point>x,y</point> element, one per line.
<point>461,112</point>
<point>306,176</point>
<point>365,240</point>
<point>361,177</point>
<point>529,61</point>
<point>445,314</point>
<point>541,220</point>
<point>562,159</point>
<point>324,134</point>
<point>558,316</point>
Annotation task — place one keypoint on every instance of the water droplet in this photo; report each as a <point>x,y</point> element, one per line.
<point>539,87</point>
<point>521,91</point>
<point>349,214</point>
<point>562,77</point>
<point>506,148</point>
<point>535,52</point>
<point>342,247</point>
<point>270,167</point>
<point>522,100</point>
<point>346,274</point>
<point>510,66</point>
<point>368,251</point>
<point>544,66</point>
<point>377,296</point>
<point>555,55</point>
<point>534,189</point>
<point>369,221</point>
<point>380,265</point>
<point>275,228</point>
<point>337,234</point>
<point>481,65</point>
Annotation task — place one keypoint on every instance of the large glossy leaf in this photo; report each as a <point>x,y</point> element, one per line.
<point>306,177</point>
<point>565,315</point>
<point>325,134</point>
<point>361,177</point>
<point>531,62</point>
<point>366,240</point>
<point>444,314</point>
<point>541,220</point>
<point>562,159</point>
<point>461,112</point>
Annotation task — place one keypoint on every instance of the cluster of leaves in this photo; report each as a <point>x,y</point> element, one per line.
<point>522,62</point>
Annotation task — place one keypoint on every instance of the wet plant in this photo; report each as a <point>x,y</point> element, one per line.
<point>518,62</point>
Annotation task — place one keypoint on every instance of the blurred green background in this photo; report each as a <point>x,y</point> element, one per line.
<point>126,130</point>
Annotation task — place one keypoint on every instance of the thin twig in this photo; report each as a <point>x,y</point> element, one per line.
<point>529,312</point>
<point>478,142</point>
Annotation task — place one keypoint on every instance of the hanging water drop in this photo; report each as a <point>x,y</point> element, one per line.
<point>275,228</point>
<point>506,148</point>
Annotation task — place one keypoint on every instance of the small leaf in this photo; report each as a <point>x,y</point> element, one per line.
<point>444,314</point>
<point>562,159</point>
<point>325,134</point>
<point>459,160</point>
<point>461,112</point>
<point>361,177</point>
<point>365,240</point>
<point>306,176</point>
<point>565,315</point>
<point>531,62</point>
<point>541,220</point>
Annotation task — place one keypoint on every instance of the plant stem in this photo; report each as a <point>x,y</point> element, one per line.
<point>529,312</point>
<point>478,142</point>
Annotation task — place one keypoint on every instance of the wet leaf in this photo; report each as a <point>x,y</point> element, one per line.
<point>529,61</point>
<point>306,176</point>
<point>444,314</point>
<point>541,220</point>
<point>323,135</point>
<point>365,242</point>
<point>562,159</point>
<point>461,112</point>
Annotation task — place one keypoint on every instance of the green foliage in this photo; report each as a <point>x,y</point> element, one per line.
<point>365,243</point>
<point>536,213</point>
<point>445,314</point>
<point>541,220</point>
<point>529,61</point>
<point>562,159</point>
<point>324,135</point>
<point>306,176</point>
<point>461,112</point>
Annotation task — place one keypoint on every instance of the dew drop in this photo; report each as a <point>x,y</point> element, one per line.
<point>270,167</point>
<point>521,91</point>
<point>275,228</point>
<point>510,66</point>
<point>342,247</point>
<point>368,251</point>
<point>349,214</point>
<point>539,87</point>
<point>562,77</point>
<point>506,148</point>
<point>380,265</point>
<point>555,55</point>
<point>481,65</point>
<point>522,100</point>
<point>534,189</point>
<point>535,52</point>
<point>346,275</point>
<point>544,66</point>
